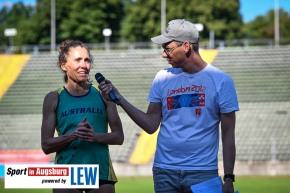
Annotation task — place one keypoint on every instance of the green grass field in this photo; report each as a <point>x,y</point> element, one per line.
<point>245,184</point>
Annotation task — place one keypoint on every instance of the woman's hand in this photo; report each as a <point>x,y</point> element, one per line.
<point>84,131</point>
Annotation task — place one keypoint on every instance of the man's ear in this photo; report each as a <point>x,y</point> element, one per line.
<point>187,46</point>
<point>187,49</point>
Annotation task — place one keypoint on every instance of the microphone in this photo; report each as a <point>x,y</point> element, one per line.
<point>100,78</point>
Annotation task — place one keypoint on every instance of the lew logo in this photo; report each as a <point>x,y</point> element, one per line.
<point>84,176</point>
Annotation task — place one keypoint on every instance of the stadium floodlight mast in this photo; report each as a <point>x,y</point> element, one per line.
<point>52,26</point>
<point>163,15</point>
<point>10,32</point>
<point>107,32</point>
<point>276,23</point>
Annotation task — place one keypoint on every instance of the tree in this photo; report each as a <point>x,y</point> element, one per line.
<point>284,25</point>
<point>14,17</point>
<point>142,20</point>
<point>224,21</point>
<point>38,27</point>
<point>3,24</point>
<point>78,19</point>
<point>262,27</point>
<point>87,19</point>
<point>131,20</point>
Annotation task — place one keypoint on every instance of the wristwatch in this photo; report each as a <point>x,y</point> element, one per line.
<point>231,176</point>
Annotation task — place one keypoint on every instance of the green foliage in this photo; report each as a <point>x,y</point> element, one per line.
<point>40,24</point>
<point>225,21</point>
<point>142,20</point>
<point>86,20</point>
<point>131,20</point>
<point>82,20</point>
<point>284,24</point>
<point>263,26</point>
<point>14,17</point>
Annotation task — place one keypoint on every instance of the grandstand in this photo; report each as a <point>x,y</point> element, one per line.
<point>261,75</point>
<point>262,79</point>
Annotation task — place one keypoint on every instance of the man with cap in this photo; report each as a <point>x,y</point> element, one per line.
<point>189,101</point>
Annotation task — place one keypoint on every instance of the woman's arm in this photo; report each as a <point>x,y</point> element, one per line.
<point>49,143</point>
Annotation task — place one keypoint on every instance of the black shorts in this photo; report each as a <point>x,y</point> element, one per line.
<point>101,182</point>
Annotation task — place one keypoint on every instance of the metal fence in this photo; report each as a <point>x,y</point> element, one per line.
<point>216,44</point>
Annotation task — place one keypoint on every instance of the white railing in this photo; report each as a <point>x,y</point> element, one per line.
<point>218,44</point>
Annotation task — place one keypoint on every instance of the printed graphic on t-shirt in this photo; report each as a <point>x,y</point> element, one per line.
<point>186,100</point>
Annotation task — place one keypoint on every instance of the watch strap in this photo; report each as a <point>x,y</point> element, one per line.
<point>231,176</point>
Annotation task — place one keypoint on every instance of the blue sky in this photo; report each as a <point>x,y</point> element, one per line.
<point>249,10</point>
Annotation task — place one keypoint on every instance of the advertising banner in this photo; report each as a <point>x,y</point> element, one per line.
<point>51,176</point>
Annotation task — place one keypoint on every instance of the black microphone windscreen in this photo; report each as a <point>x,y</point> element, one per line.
<point>99,77</point>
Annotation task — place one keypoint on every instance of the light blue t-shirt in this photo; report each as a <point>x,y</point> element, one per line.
<point>191,106</point>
